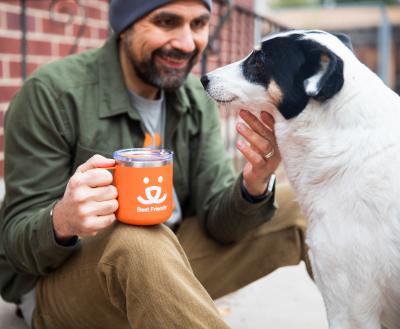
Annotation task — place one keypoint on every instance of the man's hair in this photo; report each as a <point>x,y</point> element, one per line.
<point>124,13</point>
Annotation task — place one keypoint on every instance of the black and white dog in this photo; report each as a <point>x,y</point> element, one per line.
<point>338,130</point>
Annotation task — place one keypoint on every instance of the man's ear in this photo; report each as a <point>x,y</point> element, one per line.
<point>328,79</point>
<point>345,39</point>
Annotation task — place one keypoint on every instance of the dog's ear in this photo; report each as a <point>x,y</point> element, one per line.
<point>346,40</point>
<point>328,78</point>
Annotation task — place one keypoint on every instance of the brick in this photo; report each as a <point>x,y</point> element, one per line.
<point>9,45</point>
<point>103,33</point>
<point>52,26</point>
<point>92,12</point>
<point>16,69</point>
<point>1,69</point>
<point>7,93</point>
<point>39,4</point>
<point>64,49</point>
<point>39,47</point>
<point>14,22</point>
<point>86,30</point>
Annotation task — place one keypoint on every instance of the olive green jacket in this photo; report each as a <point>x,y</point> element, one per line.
<point>71,109</point>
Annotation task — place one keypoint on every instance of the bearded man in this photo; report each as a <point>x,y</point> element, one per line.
<point>65,260</point>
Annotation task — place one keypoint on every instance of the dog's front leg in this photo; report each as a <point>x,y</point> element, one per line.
<point>351,302</point>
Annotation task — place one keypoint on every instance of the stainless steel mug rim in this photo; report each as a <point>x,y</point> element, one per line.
<point>143,157</point>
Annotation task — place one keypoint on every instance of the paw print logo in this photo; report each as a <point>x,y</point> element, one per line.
<point>152,193</point>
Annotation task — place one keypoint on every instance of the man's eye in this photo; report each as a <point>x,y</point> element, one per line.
<point>256,59</point>
<point>198,24</point>
<point>166,22</point>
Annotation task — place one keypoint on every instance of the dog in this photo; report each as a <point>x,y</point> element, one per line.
<point>337,127</point>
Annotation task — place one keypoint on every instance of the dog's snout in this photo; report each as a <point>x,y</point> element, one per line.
<point>204,81</point>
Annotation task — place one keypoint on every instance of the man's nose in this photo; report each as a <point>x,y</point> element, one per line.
<point>184,40</point>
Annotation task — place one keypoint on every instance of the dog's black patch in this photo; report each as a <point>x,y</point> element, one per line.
<point>346,40</point>
<point>289,61</point>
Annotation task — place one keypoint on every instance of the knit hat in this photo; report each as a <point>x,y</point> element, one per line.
<point>125,12</point>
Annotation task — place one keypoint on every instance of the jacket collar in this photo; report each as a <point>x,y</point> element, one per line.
<point>114,93</point>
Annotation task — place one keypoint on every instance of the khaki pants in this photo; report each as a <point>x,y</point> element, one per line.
<point>149,277</point>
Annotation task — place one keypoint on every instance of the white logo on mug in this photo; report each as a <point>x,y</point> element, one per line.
<point>152,199</point>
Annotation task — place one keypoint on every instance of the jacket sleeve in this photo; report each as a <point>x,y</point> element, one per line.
<point>37,168</point>
<point>222,209</point>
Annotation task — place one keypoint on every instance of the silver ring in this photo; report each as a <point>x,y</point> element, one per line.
<point>270,154</point>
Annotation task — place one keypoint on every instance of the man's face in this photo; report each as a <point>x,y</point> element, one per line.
<point>164,46</point>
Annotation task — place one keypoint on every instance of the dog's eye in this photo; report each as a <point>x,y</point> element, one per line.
<point>257,58</point>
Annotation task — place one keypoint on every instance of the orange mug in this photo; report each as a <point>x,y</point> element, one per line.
<point>143,178</point>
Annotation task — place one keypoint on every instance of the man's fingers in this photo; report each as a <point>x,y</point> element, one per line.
<point>263,144</point>
<point>104,193</point>
<point>91,178</point>
<point>98,177</point>
<point>106,207</point>
<point>255,124</point>
<point>96,161</point>
<point>253,156</point>
<point>102,208</point>
<point>268,120</point>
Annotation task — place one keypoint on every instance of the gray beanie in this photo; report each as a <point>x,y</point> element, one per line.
<point>125,12</point>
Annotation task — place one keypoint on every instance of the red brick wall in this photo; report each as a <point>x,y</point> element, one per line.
<point>52,33</point>
<point>47,39</point>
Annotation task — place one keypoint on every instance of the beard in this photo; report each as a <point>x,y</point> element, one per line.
<point>158,76</point>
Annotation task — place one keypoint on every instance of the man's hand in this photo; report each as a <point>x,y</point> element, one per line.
<point>89,201</point>
<point>262,142</point>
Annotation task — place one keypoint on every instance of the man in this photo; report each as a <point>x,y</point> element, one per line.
<point>61,246</point>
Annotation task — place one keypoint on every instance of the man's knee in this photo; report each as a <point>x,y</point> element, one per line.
<point>139,246</point>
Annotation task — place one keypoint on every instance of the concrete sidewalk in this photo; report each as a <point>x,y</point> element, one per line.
<point>285,299</point>
<point>8,319</point>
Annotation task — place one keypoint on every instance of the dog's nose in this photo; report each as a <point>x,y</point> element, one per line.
<point>204,81</point>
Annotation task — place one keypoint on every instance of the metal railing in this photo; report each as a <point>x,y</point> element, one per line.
<point>251,27</point>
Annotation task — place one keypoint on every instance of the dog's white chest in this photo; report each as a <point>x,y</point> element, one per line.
<point>348,184</point>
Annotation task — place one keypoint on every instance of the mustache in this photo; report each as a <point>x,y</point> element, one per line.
<point>175,53</point>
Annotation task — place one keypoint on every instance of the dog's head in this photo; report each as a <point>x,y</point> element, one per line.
<point>287,69</point>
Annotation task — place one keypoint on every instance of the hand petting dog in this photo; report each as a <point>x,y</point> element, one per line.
<point>261,152</point>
